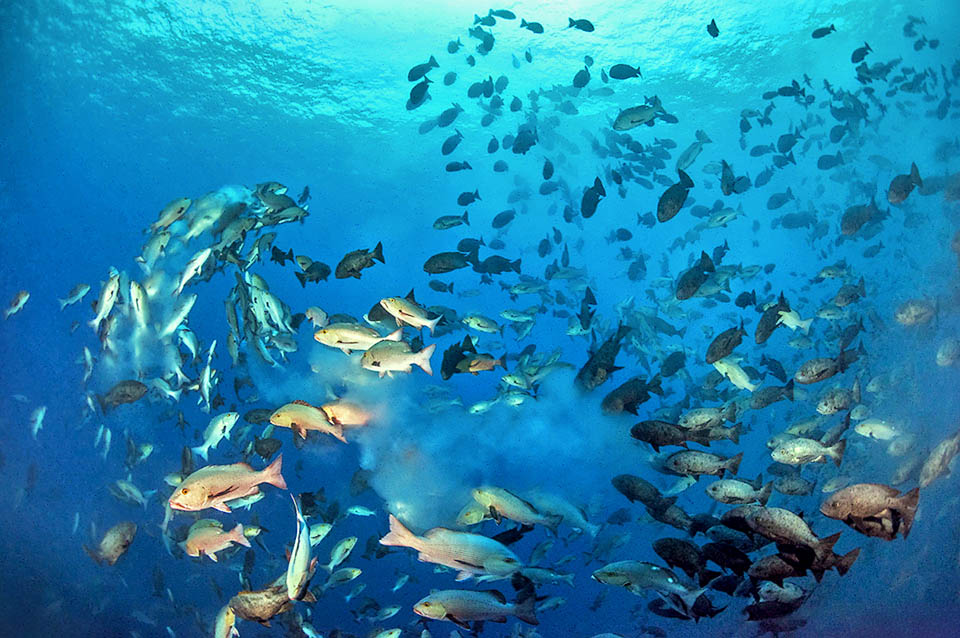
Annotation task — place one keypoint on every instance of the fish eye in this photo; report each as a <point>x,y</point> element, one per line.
<point>509,560</point>
<point>426,604</point>
<point>184,490</point>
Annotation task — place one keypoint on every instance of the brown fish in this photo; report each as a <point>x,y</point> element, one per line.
<point>937,463</point>
<point>114,543</point>
<point>128,391</point>
<point>628,396</point>
<point>355,261</point>
<point>601,363</point>
<point>902,185</point>
<point>770,319</point>
<point>672,199</point>
<point>724,343</point>
<point>873,509</point>
<point>856,217</point>
<point>690,281</point>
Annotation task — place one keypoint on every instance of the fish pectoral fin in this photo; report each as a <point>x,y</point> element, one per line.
<point>495,515</point>
<point>212,556</point>
<point>460,623</point>
<point>465,563</point>
<point>222,507</point>
<point>463,575</point>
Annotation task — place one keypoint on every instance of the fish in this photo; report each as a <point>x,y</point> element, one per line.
<point>601,364</point>
<point>630,395</point>
<point>712,29</point>
<point>873,509</point>
<point>419,70</point>
<point>128,391</point>
<point>902,185</point>
<point>800,451</point>
<point>637,115</point>
<point>533,27</point>
<point>938,461</point>
<point>467,553</point>
<point>350,337</point>
<point>300,417</point>
<point>355,261</point>
<point>207,537</point>
<point>451,221</point>
<point>386,357</point>
<point>694,463</point>
<point>214,485</point>
<point>724,343</point>
<point>114,544</point>
<point>462,607</point>
<point>822,32</point>
<point>217,430</point>
<point>672,199</point>
<point>105,303</point>
<point>501,503</point>
<point>192,269</point>
<point>739,492</point>
<point>408,312</point>
<point>690,281</point>
<point>298,567</point>
<point>581,24</point>
<point>225,624</point>
<point>76,294</point>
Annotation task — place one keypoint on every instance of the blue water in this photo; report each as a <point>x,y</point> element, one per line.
<point>112,109</point>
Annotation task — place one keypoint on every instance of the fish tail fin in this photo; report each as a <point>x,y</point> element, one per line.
<point>337,431</point>
<point>735,432</point>
<point>201,451</point>
<point>378,252</point>
<point>805,325</point>
<point>423,358</point>
<point>396,335</point>
<point>846,561</point>
<point>909,504</point>
<point>432,324</point>
<point>707,576</point>
<point>788,390</point>
<point>553,522</point>
<point>571,22</point>
<point>302,278</point>
<point>433,62</point>
<point>733,464</point>
<point>515,265</point>
<point>272,473</point>
<point>466,218</point>
<point>63,304</point>
<point>525,609</point>
<point>915,174</point>
<point>92,554</point>
<point>837,450</point>
<point>237,535</point>
<point>399,535</point>
<point>826,544</point>
<point>765,493</point>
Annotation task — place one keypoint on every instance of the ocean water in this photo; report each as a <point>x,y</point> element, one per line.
<point>113,109</point>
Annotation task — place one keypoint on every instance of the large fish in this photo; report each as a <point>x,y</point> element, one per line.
<point>469,554</point>
<point>215,485</point>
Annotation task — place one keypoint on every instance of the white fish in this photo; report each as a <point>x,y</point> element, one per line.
<point>217,430</point>
<point>193,268</point>
<point>108,297</point>
<point>36,420</point>
<point>180,312</point>
<point>77,293</point>
<point>299,565</point>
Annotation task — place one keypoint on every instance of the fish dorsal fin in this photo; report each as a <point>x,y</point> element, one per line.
<point>410,296</point>
<point>301,402</point>
<point>496,594</point>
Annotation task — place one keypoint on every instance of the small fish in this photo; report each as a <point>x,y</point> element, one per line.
<point>712,28</point>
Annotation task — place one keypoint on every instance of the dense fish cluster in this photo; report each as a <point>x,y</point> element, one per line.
<point>687,377</point>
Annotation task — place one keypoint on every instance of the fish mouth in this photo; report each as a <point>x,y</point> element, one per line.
<point>177,506</point>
